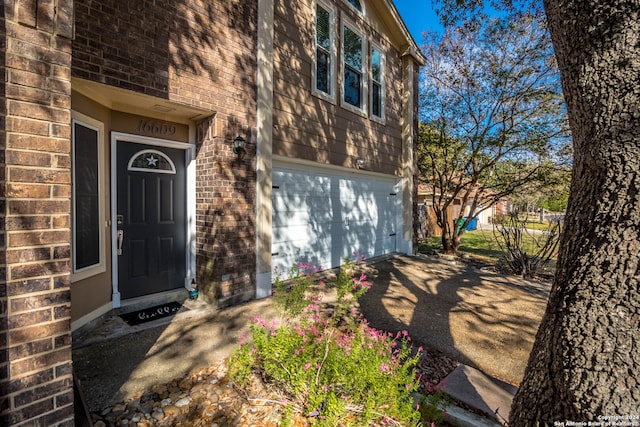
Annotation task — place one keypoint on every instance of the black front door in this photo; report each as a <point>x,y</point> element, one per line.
<point>151,215</point>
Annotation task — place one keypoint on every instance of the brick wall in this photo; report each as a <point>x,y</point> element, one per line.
<point>35,339</point>
<point>200,53</point>
<point>226,225</point>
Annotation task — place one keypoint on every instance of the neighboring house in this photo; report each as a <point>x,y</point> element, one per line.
<point>427,215</point>
<point>428,226</point>
<point>487,216</point>
<point>121,183</point>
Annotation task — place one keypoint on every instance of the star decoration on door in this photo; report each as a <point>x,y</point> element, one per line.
<point>152,161</point>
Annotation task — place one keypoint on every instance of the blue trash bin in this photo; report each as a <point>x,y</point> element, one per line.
<point>472,224</point>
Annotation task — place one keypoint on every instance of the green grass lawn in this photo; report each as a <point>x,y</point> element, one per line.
<point>479,244</point>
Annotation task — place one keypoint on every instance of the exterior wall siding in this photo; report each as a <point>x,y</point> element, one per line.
<point>201,54</point>
<point>312,128</point>
<point>35,338</point>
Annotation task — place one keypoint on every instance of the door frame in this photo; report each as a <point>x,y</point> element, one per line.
<point>190,223</point>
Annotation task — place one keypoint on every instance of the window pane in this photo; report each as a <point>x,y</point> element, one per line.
<point>151,161</point>
<point>376,65</point>
<point>87,223</point>
<point>376,100</point>
<point>352,80</point>
<point>323,28</point>
<point>352,49</point>
<point>322,71</point>
<point>356,4</point>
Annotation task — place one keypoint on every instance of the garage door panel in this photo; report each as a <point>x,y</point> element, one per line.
<point>309,233</point>
<point>288,255</point>
<point>322,216</point>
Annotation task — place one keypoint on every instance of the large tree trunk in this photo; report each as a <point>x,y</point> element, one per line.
<point>585,362</point>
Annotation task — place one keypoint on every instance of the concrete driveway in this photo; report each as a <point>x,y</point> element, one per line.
<point>481,318</point>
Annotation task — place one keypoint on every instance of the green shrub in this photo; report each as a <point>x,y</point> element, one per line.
<point>336,368</point>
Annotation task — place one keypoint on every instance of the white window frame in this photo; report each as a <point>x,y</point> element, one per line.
<point>100,267</point>
<point>355,9</point>
<point>364,99</point>
<point>160,154</point>
<point>332,53</point>
<point>382,117</point>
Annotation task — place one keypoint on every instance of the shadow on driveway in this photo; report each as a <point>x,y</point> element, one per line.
<point>481,318</point>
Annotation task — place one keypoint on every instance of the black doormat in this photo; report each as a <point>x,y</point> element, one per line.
<point>151,313</point>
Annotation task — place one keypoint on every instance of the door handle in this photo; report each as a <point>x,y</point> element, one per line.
<point>120,240</point>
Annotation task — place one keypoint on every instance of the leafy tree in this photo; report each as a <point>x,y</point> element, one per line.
<point>550,192</point>
<point>492,117</point>
<point>585,362</point>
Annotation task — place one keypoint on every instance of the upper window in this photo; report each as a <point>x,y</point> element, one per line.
<point>323,75</point>
<point>88,217</point>
<point>377,83</point>
<point>353,68</point>
<point>356,4</point>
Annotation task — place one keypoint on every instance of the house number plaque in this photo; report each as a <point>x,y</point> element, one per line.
<point>156,128</point>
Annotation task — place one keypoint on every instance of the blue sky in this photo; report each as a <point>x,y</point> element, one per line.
<point>418,15</point>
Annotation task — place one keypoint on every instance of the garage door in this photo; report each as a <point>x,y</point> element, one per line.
<point>323,216</point>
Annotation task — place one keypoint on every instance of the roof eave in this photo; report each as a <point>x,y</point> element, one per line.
<point>412,48</point>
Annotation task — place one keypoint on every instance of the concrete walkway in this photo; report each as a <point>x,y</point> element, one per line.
<point>485,320</point>
<point>114,361</point>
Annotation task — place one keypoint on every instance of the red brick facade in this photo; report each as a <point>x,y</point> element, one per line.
<point>186,65</point>
<point>35,338</point>
<point>202,54</point>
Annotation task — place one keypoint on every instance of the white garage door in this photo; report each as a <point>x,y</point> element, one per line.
<point>322,216</point>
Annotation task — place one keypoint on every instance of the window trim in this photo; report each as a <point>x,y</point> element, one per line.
<point>100,267</point>
<point>171,171</point>
<point>383,65</point>
<point>331,97</point>
<point>364,97</point>
<point>355,9</point>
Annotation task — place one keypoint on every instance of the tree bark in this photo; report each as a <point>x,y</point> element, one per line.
<point>585,362</point>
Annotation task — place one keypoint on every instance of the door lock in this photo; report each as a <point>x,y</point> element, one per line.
<point>120,240</point>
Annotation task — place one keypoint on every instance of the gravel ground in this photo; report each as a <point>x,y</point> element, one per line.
<point>206,397</point>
